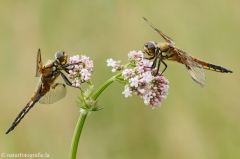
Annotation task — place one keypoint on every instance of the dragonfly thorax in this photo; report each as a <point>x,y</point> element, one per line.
<point>163,47</point>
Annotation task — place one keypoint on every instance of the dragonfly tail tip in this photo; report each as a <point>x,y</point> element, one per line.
<point>7,131</point>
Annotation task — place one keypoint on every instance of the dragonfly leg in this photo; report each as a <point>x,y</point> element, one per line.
<point>149,58</point>
<point>157,55</point>
<point>158,67</point>
<point>66,67</point>
<point>154,63</point>
<point>66,70</point>
<point>164,65</point>
<point>68,82</point>
<point>70,64</point>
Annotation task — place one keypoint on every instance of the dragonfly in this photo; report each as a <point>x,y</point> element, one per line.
<point>160,51</point>
<point>47,91</point>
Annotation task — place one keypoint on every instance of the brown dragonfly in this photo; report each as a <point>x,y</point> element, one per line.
<point>47,91</point>
<point>168,51</point>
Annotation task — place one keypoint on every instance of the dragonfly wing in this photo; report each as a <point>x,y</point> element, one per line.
<point>39,64</point>
<point>165,37</point>
<point>57,92</point>
<point>195,69</point>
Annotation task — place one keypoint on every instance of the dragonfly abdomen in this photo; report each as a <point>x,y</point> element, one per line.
<point>212,67</point>
<point>216,68</point>
<point>35,98</point>
<point>21,115</point>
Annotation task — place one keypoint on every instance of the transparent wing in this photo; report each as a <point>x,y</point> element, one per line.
<point>165,37</point>
<point>195,69</point>
<point>39,64</point>
<point>57,92</point>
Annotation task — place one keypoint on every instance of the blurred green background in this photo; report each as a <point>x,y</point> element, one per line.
<point>193,122</point>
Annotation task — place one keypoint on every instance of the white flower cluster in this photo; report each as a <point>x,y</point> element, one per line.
<point>115,65</point>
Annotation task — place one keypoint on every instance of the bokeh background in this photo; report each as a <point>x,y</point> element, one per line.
<point>193,122</point>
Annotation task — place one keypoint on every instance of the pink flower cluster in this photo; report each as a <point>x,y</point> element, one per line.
<point>81,72</point>
<point>141,81</point>
<point>135,57</point>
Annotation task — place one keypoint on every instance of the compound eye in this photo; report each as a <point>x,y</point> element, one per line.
<point>150,46</point>
<point>59,54</point>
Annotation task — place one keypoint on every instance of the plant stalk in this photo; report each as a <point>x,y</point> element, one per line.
<point>77,133</point>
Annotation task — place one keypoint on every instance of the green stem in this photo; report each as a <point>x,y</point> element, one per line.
<point>83,115</point>
<point>77,133</point>
<point>105,85</point>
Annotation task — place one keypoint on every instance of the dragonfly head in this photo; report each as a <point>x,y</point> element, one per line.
<point>150,48</point>
<point>61,57</point>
